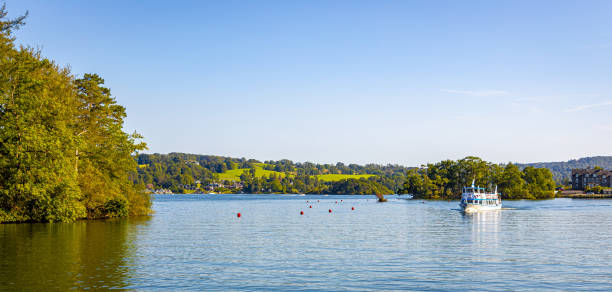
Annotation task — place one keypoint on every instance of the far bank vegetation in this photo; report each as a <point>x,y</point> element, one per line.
<point>444,180</point>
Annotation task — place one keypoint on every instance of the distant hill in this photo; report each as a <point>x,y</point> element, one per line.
<point>179,172</point>
<point>187,173</point>
<point>563,170</point>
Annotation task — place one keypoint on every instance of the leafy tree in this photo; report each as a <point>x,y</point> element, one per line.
<point>37,180</point>
<point>104,150</point>
<point>63,154</point>
<point>511,183</point>
<point>540,182</point>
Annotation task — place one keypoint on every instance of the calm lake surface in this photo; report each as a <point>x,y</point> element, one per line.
<point>196,242</point>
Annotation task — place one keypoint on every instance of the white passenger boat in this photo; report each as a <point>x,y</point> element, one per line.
<point>474,199</point>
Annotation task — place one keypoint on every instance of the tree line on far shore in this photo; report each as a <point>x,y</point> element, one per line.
<point>63,154</point>
<point>179,173</point>
<point>445,180</point>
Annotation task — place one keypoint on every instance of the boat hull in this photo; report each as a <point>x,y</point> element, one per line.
<point>471,208</point>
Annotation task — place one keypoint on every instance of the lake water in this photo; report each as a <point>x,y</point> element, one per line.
<point>196,242</point>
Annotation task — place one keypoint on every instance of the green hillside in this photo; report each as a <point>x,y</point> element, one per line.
<point>234,174</point>
<point>182,172</point>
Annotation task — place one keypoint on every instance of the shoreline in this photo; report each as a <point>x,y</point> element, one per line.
<point>585,196</point>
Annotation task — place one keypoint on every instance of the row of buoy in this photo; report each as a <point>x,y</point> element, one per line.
<point>301,212</point>
<point>318,201</point>
<point>310,206</point>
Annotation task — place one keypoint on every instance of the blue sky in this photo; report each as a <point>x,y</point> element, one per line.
<point>354,81</point>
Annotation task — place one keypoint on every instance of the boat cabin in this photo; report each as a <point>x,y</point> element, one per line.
<point>480,196</point>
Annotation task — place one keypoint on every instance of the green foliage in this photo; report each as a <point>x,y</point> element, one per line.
<point>540,182</point>
<point>512,184</point>
<point>360,186</point>
<point>116,207</point>
<point>62,150</point>
<point>104,151</point>
<point>446,179</point>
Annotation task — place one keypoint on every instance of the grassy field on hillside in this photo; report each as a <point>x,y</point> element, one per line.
<point>337,177</point>
<point>234,174</point>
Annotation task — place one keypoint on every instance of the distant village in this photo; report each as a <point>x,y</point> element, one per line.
<point>223,186</point>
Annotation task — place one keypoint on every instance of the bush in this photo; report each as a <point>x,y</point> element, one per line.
<point>116,207</point>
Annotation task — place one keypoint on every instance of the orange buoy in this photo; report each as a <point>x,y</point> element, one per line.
<point>301,212</point>
<point>239,215</point>
<point>352,208</point>
<point>329,210</point>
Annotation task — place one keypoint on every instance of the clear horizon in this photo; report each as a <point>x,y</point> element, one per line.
<point>357,82</point>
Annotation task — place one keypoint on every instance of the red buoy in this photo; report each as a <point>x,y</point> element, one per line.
<point>301,212</point>
<point>239,215</point>
<point>310,207</point>
<point>329,210</point>
<point>352,208</point>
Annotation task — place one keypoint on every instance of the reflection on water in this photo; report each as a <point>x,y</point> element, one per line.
<point>485,227</point>
<point>84,254</point>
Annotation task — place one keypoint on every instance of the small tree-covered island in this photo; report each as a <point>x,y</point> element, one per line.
<point>445,180</point>
<point>63,153</point>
